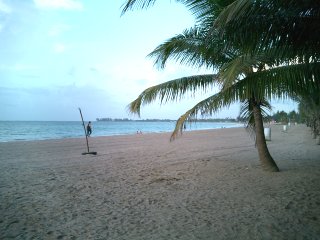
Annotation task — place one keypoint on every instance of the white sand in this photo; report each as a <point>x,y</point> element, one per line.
<point>204,185</point>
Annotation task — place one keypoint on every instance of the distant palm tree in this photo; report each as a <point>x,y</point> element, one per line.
<point>309,108</point>
<point>198,47</point>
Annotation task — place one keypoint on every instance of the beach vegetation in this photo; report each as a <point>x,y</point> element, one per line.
<point>249,71</point>
<point>289,30</point>
<point>201,46</point>
<point>309,107</point>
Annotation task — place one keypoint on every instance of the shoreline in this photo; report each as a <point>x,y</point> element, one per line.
<point>203,185</point>
<point>33,131</point>
<point>115,135</point>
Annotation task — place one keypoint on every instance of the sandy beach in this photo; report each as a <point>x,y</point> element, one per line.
<point>204,185</point>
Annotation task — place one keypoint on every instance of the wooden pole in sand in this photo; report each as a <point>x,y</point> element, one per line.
<point>85,132</point>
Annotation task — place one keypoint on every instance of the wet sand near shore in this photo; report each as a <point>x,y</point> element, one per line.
<point>204,185</point>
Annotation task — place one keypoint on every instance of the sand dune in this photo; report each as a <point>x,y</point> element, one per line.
<point>204,185</point>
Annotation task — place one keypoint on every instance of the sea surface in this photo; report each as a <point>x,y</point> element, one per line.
<point>42,130</point>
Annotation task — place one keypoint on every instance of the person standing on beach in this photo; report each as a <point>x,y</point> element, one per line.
<point>89,129</point>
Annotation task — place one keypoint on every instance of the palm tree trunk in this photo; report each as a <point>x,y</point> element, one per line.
<point>266,160</point>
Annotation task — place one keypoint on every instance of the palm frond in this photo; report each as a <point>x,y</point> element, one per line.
<point>291,24</point>
<point>139,4</point>
<point>201,9</point>
<point>236,68</point>
<point>281,82</point>
<point>247,114</point>
<point>173,90</point>
<point>192,48</point>
<point>206,107</point>
<point>253,85</point>
<point>206,11</point>
<point>233,11</point>
<point>243,64</point>
<point>246,111</point>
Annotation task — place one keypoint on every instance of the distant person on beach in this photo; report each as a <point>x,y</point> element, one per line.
<point>89,129</point>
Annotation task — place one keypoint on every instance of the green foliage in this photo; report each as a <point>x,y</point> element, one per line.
<point>289,26</point>
<point>284,117</point>
<point>260,50</point>
<point>309,107</point>
<point>173,90</point>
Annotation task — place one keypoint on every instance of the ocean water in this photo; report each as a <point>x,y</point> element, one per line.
<point>42,130</point>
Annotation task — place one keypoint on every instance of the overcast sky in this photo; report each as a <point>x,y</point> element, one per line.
<point>58,55</point>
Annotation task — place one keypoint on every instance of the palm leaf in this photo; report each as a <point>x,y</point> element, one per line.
<point>173,90</point>
<point>139,4</point>
<point>246,112</point>
<point>192,48</point>
<point>200,8</point>
<point>281,82</point>
<point>291,24</point>
<point>206,107</point>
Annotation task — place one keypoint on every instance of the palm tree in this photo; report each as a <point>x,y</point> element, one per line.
<point>309,107</point>
<point>194,47</point>
<point>291,30</point>
<point>292,24</point>
<point>288,30</point>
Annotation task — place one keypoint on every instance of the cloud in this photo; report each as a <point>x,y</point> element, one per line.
<point>59,4</point>
<point>18,67</point>
<point>58,29</point>
<point>55,103</point>
<point>59,48</point>
<point>4,8</point>
<point>4,11</point>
